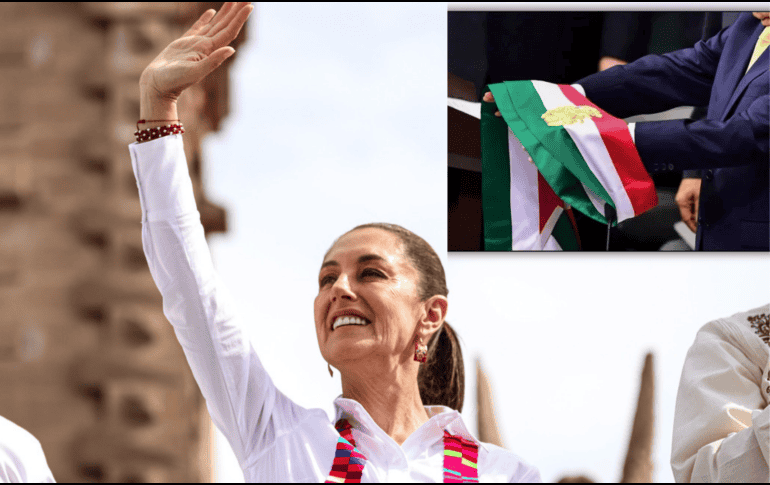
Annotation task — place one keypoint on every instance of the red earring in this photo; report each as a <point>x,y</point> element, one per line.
<point>420,350</point>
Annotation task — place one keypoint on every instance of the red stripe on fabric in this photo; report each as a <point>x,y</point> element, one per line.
<point>342,466</point>
<point>547,199</point>
<point>616,137</point>
<point>344,429</point>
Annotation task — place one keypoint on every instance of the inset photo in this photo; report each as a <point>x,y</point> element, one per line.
<point>608,131</point>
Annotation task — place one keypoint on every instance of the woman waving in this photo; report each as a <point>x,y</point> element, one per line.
<point>379,318</point>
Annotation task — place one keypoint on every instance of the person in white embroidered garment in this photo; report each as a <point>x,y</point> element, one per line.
<point>21,457</point>
<point>722,417</point>
<point>382,300</point>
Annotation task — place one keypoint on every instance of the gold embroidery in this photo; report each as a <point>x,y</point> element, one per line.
<point>569,115</point>
<point>761,325</point>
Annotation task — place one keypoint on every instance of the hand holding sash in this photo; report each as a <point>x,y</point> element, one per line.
<point>489,98</point>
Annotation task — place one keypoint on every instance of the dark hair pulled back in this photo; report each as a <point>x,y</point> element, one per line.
<point>442,378</point>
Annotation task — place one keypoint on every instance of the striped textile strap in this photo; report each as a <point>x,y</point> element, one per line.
<point>460,458</point>
<point>348,463</point>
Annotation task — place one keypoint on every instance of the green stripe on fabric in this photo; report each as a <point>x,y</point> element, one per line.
<point>562,145</point>
<point>551,148</point>
<point>564,233</point>
<point>495,181</point>
<point>468,463</point>
<point>453,453</point>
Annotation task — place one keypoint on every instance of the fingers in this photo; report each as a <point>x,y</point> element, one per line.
<point>688,217</point>
<point>692,224</point>
<point>686,213</point>
<point>202,21</point>
<point>226,8</point>
<point>489,98</point>
<point>697,199</point>
<point>213,61</point>
<point>227,30</point>
<point>687,203</point>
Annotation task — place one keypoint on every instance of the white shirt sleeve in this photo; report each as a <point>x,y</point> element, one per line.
<point>21,457</point>
<point>721,418</point>
<point>242,399</point>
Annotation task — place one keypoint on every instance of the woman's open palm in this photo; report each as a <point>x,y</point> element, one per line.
<point>197,53</point>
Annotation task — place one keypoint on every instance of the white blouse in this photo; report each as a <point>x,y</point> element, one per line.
<point>21,457</point>
<point>274,439</point>
<point>722,418</point>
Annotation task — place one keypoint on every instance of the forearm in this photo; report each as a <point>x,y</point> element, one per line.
<point>204,322</point>
<point>657,83</point>
<point>704,144</point>
<point>738,457</point>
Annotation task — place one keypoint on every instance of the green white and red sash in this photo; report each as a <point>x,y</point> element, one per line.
<point>587,162</point>
<point>521,211</point>
<point>460,458</point>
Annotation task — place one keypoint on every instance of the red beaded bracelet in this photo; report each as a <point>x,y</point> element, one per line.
<point>153,133</point>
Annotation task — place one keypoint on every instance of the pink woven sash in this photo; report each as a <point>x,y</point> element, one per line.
<point>460,458</point>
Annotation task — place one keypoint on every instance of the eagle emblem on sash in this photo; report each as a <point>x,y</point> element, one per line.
<point>569,115</point>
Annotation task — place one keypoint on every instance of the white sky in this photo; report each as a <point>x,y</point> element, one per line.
<point>338,118</point>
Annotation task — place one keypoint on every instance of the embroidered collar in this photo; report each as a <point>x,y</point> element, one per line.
<point>761,325</point>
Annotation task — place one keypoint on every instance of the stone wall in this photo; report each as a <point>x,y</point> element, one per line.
<point>88,363</point>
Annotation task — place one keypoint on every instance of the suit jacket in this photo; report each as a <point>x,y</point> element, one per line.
<point>731,145</point>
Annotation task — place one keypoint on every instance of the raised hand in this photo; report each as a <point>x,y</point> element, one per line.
<point>197,53</point>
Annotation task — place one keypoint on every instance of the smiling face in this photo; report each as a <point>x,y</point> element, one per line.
<point>369,289</point>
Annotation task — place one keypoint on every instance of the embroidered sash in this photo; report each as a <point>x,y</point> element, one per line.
<point>460,458</point>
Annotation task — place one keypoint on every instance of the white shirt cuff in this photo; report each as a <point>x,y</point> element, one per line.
<point>165,187</point>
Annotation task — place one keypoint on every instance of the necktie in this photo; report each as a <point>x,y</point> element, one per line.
<point>762,43</point>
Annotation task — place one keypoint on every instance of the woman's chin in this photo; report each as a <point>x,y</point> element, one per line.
<point>347,349</point>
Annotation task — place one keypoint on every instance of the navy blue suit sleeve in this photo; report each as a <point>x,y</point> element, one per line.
<point>707,144</point>
<point>685,77</point>
<point>657,83</point>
